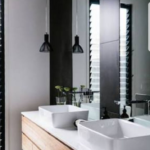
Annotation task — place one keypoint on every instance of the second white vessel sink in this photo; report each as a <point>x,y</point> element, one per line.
<point>62,116</point>
<point>93,110</point>
<point>143,120</point>
<point>114,134</point>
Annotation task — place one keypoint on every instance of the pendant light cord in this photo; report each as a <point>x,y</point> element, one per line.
<point>46,16</point>
<point>76,17</point>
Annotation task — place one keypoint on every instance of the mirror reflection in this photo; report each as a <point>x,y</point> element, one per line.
<point>86,66</point>
<point>134,57</point>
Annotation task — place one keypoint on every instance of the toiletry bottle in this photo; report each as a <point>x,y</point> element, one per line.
<point>105,114</point>
<point>124,115</point>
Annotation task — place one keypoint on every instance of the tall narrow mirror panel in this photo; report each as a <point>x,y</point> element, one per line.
<point>134,56</point>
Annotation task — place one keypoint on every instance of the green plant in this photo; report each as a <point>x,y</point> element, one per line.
<point>74,89</point>
<point>66,93</point>
<point>82,86</point>
<point>59,89</point>
<point>67,89</point>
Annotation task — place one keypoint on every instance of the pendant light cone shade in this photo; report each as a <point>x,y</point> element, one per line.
<point>46,46</point>
<point>76,47</point>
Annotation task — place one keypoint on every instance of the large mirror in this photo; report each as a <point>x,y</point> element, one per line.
<point>86,65</point>
<point>135,57</point>
<point>72,23</point>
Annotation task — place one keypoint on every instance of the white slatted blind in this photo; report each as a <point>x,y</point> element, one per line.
<point>123,54</point>
<point>95,50</point>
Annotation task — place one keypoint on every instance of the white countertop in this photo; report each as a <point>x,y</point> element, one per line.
<point>67,136</point>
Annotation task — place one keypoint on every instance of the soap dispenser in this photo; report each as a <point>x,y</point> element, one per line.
<point>105,114</point>
<point>124,114</point>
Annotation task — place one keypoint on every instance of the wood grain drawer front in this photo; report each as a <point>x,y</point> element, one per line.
<point>41,138</point>
<point>26,143</point>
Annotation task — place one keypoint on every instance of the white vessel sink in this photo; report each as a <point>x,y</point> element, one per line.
<point>143,120</point>
<point>114,134</point>
<point>62,116</point>
<point>94,110</point>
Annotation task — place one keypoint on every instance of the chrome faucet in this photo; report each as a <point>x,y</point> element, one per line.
<point>137,102</point>
<point>117,102</point>
<point>148,103</point>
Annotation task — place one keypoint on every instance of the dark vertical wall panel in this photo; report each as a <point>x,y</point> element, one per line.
<point>109,55</point>
<point>61,41</point>
<point>110,22</point>
<point>110,75</point>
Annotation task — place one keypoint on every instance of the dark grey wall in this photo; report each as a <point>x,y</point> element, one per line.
<point>109,56</point>
<point>61,41</point>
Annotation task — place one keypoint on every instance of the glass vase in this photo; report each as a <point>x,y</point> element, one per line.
<point>61,100</point>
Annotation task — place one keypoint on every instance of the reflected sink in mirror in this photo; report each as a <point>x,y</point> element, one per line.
<point>94,111</point>
<point>62,116</point>
<point>143,120</point>
<point>114,134</point>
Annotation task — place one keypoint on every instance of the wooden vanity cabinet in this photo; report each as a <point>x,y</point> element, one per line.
<point>35,147</point>
<point>27,144</point>
<point>35,138</point>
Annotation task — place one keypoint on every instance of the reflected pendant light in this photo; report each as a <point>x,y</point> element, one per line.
<point>77,49</point>
<point>46,46</point>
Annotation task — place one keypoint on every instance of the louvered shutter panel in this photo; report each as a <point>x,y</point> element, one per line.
<point>95,50</point>
<point>2,106</point>
<point>125,50</point>
<point>125,53</point>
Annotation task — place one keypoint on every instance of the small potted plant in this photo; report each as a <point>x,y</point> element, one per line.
<point>81,95</point>
<point>82,87</point>
<point>74,101</point>
<point>60,99</point>
<point>66,93</point>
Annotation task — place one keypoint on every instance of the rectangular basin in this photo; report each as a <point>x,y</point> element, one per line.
<point>143,120</point>
<point>62,116</point>
<point>94,110</point>
<point>114,134</point>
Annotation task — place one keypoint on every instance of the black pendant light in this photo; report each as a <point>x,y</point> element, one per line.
<point>77,49</point>
<point>46,46</point>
